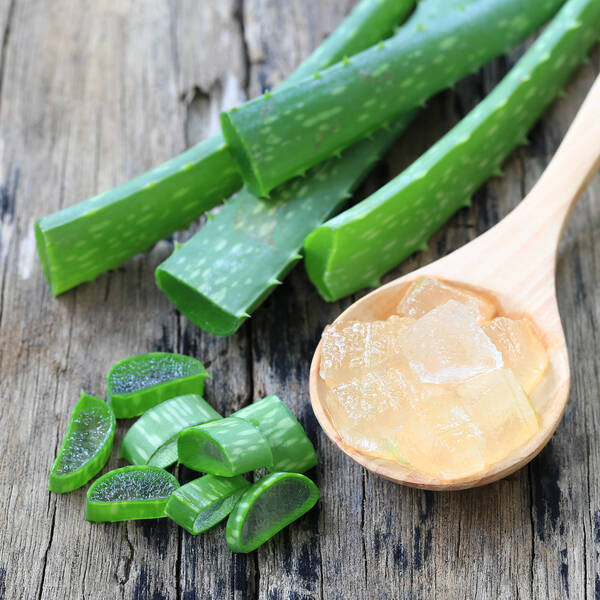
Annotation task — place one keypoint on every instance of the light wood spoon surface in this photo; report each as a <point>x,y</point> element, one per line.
<point>515,262</point>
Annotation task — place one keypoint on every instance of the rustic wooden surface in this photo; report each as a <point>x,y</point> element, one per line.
<point>92,93</point>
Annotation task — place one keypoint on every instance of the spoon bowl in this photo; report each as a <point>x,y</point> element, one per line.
<point>514,263</point>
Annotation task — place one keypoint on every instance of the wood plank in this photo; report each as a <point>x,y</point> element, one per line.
<point>94,93</point>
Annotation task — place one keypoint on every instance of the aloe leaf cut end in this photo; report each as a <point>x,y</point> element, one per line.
<point>226,270</point>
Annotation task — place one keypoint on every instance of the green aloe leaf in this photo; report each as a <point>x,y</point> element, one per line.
<point>280,135</point>
<point>352,250</point>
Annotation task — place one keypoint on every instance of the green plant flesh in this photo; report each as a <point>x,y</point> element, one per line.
<point>291,448</point>
<point>204,502</point>
<point>226,448</point>
<point>86,447</point>
<point>240,256</point>
<point>138,383</point>
<point>80,242</point>
<point>354,249</point>
<point>281,134</point>
<point>267,507</point>
<point>138,492</point>
<point>152,439</point>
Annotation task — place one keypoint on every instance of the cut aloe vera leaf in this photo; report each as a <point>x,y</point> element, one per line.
<point>291,448</point>
<point>80,242</point>
<point>267,507</point>
<point>152,439</point>
<point>135,384</point>
<point>354,249</point>
<point>135,492</point>
<point>202,503</point>
<point>227,269</point>
<point>226,448</point>
<point>282,134</point>
<point>86,447</point>
<point>369,23</point>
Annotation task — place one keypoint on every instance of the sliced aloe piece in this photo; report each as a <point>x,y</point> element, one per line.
<point>152,439</point>
<point>291,448</point>
<point>204,502</point>
<point>138,383</point>
<point>267,507</point>
<point>86,447</point>
<point>137,492</point>
<point>227,447</point>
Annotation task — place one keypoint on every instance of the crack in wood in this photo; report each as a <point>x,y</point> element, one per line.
<point>46,551</point>
<point>128,560</point>
<point>239,16</point>
<point>4,46</point>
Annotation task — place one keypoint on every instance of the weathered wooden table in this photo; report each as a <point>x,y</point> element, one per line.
<point>92,93</point>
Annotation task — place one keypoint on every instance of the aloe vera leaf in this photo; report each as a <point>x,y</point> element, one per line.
<point>354,249</point>
<point>267,507</point>
<point>368,23</point>
<point>281,134</point>
<point>227,269</point>
<point>226,448</point>
<point>137,492</point>
<point>152,439</point>
<point>135,384</point>
<point>202,503</point>
<point>86,447</point>
<point>291,448</point>
<point>80,242</point>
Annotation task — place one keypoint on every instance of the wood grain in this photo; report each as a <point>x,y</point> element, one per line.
<point>94,93</point>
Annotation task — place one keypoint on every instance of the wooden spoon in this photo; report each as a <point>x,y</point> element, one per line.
<point>515,262</point>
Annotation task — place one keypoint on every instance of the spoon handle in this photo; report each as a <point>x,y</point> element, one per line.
<point>519,253</point>
<point>567,175</point>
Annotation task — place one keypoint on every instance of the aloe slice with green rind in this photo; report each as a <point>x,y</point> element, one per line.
<point>226,448</point>
<point>152,439</point>
<point>291,448</point>
<point>80,242</point>
<point>135,492</point>
<point>135,384</point>
<point>86,447</point>
<point>351,251</point>
<point>267,507</point>
<point>202,503</point>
